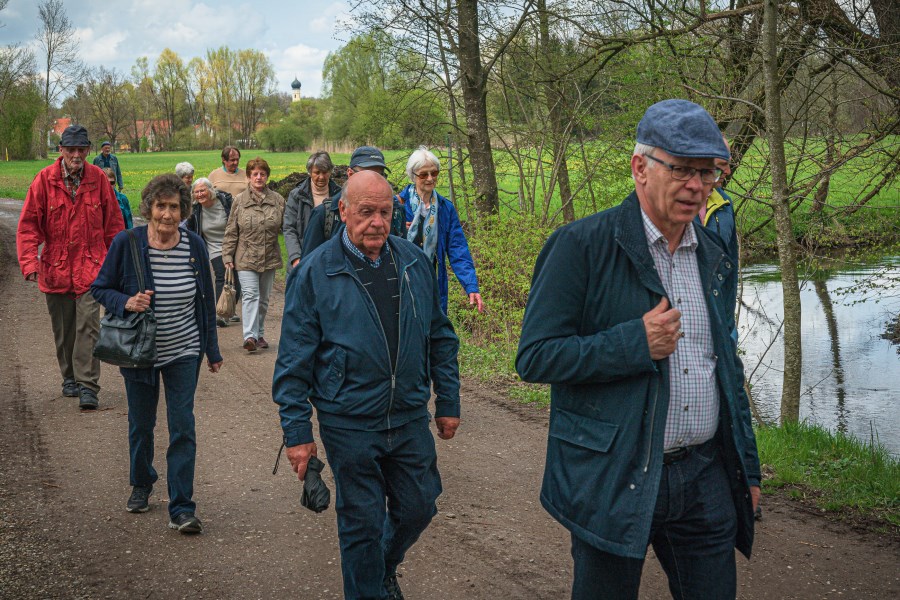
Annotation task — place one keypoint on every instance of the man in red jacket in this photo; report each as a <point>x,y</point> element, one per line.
<point>70,209</point>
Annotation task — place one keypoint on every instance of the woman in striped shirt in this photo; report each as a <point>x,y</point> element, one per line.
<point>179,290</point>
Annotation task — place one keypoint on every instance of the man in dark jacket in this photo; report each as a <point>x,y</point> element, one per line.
<point>325,220</point>
<point>628,319</point>
<point>107,160</point>
<point>363,339</point>
<point>72,210</point>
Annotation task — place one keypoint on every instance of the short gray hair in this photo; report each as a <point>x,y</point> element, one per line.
<point>164,186</point>
<point>420,158</point>
<point>207,183</point>
<point>643,149</point>
<point>320,160</point>
<point>184,168</point>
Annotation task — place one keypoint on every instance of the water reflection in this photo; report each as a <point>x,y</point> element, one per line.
<point>851,375</point>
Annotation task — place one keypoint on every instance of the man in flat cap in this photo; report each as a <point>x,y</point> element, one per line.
<point>72,210</point>
<point>628,319</point>
<point>107,160</point>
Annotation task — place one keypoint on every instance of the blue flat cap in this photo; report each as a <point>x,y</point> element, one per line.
<point>74,136</point>
<point>105,143</point>
<point>682,128</point>
<point>367,156</point>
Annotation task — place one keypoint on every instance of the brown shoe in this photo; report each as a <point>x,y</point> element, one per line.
<point>250,344</point>
<point>262,343</point>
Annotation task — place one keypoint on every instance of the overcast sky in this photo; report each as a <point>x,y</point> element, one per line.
<point>296,35</point>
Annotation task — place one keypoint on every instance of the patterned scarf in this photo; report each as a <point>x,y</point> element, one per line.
<point>425,220</point>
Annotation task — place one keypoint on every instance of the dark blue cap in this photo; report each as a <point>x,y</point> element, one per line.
<point>105,144</point>
<point>682,128</point>
<point>367,156</point>
<point>74,135</point>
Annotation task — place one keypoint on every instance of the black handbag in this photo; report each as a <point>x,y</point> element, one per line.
<point>129,341</point>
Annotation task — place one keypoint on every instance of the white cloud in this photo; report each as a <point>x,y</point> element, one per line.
<point>97,49</point>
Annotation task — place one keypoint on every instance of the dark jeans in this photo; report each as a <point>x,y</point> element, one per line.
<point>180,381</point>
<point>693,535</point>
<point>218,269</point>
<point>399,465</point>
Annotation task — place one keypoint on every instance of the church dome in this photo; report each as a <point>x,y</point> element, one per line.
<point>295,84</point>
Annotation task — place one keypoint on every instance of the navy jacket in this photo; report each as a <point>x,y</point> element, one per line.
<point>583,333</point>
<point>297,209</point>
<point>333,352</point>
<point>117,282</point>
<point>451,244</point>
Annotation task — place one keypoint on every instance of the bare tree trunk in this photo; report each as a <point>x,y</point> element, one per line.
<point>787,250</point>
<point>474,87</point>
<point>552,98</point>
<point>822,191</point>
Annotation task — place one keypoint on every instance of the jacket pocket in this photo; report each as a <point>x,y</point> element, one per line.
<point>583,431</point>
<point>333,375</point>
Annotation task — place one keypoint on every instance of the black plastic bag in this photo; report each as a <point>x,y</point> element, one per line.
<point>316,496</point>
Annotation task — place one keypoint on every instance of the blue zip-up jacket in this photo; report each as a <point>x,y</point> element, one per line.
<point>125,207</point>
<point>117,282</point>
<point>451,244</point>
<point>333,352</point>
<point>583,333</point>
<point>110,162</point>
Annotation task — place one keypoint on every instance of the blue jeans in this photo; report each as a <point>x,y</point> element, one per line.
<point>399,465</point>
<point>180,381</point>
<point>693,535</point>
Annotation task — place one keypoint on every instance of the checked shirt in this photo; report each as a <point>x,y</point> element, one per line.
<point>693,395</point>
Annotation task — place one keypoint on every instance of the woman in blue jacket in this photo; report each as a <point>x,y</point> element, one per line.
<point>433,225</point>
<point>179,291</point>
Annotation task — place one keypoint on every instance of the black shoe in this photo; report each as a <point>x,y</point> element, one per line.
<point>392,588</point>
<point>70,388</point>
<point>87,399</point>
<point>220,322</point>
<point>186,522</point>
<point>138,501</point>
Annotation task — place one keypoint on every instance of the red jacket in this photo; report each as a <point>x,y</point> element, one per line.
<point>75,235</point>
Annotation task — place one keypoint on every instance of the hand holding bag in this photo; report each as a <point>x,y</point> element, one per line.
<point>129,341</point>
<point>225,303</point>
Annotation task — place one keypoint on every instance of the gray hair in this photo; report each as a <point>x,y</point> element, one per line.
<point>207,183</point>
<point>420,158</point>
<point>164,186</point>
<point>320,160</point>
<point>184,168</point>
<point>642,149</point>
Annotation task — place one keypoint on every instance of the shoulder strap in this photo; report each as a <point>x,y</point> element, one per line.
<point>138,268</point>
<point>328,224</point>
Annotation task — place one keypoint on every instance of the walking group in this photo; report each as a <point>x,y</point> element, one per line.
<point>630,319</point>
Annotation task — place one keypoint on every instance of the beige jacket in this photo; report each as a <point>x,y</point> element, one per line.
<point>251,235</point>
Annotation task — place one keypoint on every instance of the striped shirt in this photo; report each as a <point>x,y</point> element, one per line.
<point>693,394</point>
<point>175,289</point>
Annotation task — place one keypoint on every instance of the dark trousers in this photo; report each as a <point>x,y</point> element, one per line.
<point>179,379</point>
<point>218,269</point>
<point>693,535</point>
<point>76,327</point>
<point>397,465</point>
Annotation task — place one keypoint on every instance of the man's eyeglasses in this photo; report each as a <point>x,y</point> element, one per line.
<point>682,173</point>
<point>427,174</point>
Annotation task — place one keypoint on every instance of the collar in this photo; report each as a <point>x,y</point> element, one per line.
<point>65,170</point>
<point>385,250</point>
<point>654,235</point>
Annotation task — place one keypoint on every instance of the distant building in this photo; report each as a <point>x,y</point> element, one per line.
<point>295,85</point>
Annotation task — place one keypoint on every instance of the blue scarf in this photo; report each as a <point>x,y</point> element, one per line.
<point>426,220</point>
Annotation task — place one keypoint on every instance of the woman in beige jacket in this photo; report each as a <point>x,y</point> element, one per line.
<point>251,247</point>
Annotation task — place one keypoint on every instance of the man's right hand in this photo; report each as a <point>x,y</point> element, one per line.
<point>31,276</point>
<point>663,327</point>
<point>299,457</point>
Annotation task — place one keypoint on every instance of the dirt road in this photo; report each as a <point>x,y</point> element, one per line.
<point>64,532</point>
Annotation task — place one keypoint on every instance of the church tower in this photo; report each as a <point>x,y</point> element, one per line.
<point>295,85</point>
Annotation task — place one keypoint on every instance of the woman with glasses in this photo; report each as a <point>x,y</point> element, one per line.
<point>433,225</point>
